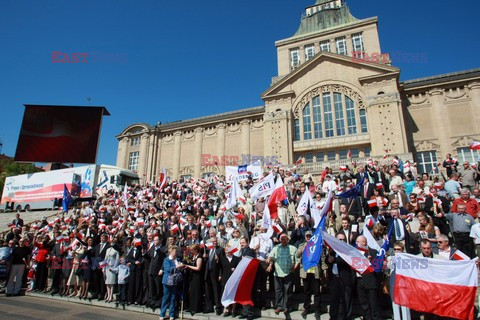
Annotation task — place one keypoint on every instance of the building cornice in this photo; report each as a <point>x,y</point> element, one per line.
<point>453,78</point>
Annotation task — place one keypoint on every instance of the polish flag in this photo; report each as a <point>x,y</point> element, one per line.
<point>174,229</point>
<point>182,220</point>
<point>102,226</point>
<point>60,238</point>
<point>343,168</point>
<point>67,220</point>
<point>140,222</point>
<point>132,229</point>
<point>385,202</point>
<point>395,161</point>
<point>239,286</point>
<point>372,203</point>
<point>103,264</point>
<point>475,145</point>
<point>277,228</point>
<point>278,194</point>
<point>80,236</point>
<point>137,242</point>
<point>452,284</point>
<point>438,185</point>
<point>421,199</point>
<point>34,227</point>
<point>232,249</point>
<point>379,186</point>
<point>299,161</point>
<point>163,178</point>
<point>349,254</point>
<point>57,220</point>
<point>459,255</point>
<point>210,245</point>
<point>51,223</point>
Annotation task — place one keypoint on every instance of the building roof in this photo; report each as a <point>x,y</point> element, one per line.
<point>225,116</point>
<point>442,78</point>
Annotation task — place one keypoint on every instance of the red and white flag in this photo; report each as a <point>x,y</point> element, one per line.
<point>137,242</point>
<point>232,249</point>
<point>475,145</point>
<point>103,264</point>
<point>277,228</point>
<point>299,161</point>
<point>459,255</point>
<point>348,253</point>
<point>238,288</point>
<point>279,194</point>
<point>379,186</point>
<point>372,203</point>
<point>140,222</point>
<point>174,229</point>
<point>452,284</point>
<point>163,178</point>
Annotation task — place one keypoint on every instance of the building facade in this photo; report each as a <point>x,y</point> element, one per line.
<point>336,97</point>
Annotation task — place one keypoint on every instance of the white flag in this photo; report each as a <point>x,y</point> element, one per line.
<point>125,196</point>
<point>370,239</point>
<point>305,202</point>
<point>263,188</point>
<point>241,173</point>
<point>235,194</point>
<point>317,214</point>
<point>267,224</point>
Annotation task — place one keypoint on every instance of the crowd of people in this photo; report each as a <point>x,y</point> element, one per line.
<point>176,246</point>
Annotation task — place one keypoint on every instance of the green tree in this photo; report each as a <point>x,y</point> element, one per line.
<point>10,168</point>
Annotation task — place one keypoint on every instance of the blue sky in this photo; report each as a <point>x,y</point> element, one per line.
<point>183,59</point>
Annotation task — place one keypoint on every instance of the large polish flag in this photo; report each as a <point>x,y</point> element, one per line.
<point>279,194</point>
<point>163,178</point>
<point>348,253</point>
<point>442,287</point>
<point>239,286</point>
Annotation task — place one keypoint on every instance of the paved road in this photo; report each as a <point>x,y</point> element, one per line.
<point>30,308</point>
<point>7,217</point>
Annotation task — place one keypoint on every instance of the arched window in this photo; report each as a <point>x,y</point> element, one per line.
<point>331,114</point>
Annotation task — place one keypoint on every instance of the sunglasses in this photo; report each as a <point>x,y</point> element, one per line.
<point>440,241</point>
<point>397,249</point>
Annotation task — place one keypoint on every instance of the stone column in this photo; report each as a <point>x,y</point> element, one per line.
<point>474,89</point>
<point>176,153</point>
<point>245,145</point>
<point>143,158</point>
<point>197,167</point>
<point>150,160</point>
<point>122,152</point>
<point>442,124</point>
<point>221,131</point>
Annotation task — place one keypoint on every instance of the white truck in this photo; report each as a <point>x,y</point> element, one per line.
<point>44,190</point>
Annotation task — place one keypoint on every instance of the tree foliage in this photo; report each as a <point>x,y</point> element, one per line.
<point>10,168</point>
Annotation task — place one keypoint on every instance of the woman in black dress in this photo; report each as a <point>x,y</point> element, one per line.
<point>195,280</point>
<point>85,268</point>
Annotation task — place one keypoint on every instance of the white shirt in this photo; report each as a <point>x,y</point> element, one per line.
<point>264,249</point>
<point>475,233</point>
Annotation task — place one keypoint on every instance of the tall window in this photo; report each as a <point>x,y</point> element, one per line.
<point>133,161</point>
<point>307,125</point>
<point>343,153</point>
<point>340,121</point>
<point>363,120</point>
<point>357,44</point>
<point>352,123</point>
<point>427,161</point>
<point>341,45</point>
<point>294,58</point>
<point>366,151</point>
<point>317,118</point>
<point>325,46</point>
<point>355,152</point>
<point>297,129</point>
<point>309,51</point>
<point>320,156</point>
<point>327,115</point>
<point>135,141</point>
<point>466,154</point>
<point>308,157</point>
<point>331,155</point>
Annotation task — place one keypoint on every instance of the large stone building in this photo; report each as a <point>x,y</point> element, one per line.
<point>336,97</point>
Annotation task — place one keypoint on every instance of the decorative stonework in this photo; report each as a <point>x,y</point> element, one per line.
<point>419,99</point>
<point>463,141</point>
<point>389,97</point>
<point>426,145</point>
<point>276,115</point>
<point>207,169</point>
<point>352,94</point>
<point>458,93</point>
<point>186,171</point>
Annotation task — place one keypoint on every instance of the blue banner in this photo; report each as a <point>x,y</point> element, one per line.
<point>67,198</point>
<point>377,263</point>
<point>355,191</point>
<point>313,249</point>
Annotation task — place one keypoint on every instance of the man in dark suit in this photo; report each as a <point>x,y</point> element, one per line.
<point>17,222</point>
<point>435,204</point>
<point>399,195</point>
<point>56,255</point>
<point>228,263</point>
<point>98,282</point>
<point>212,273</point>
<point>155,257</point>
<point>346,230</point>
<point>368,284</point>
<point>380,177</point>
<point>400,232</point>
<point>247,252</point>
<point>341,283</point>
<point>190,226</point>
<point>353,205</point>
<point>366,192</point>
<point>134,261</point>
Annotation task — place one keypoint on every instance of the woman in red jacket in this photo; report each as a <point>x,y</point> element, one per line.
<point>42,258</point>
